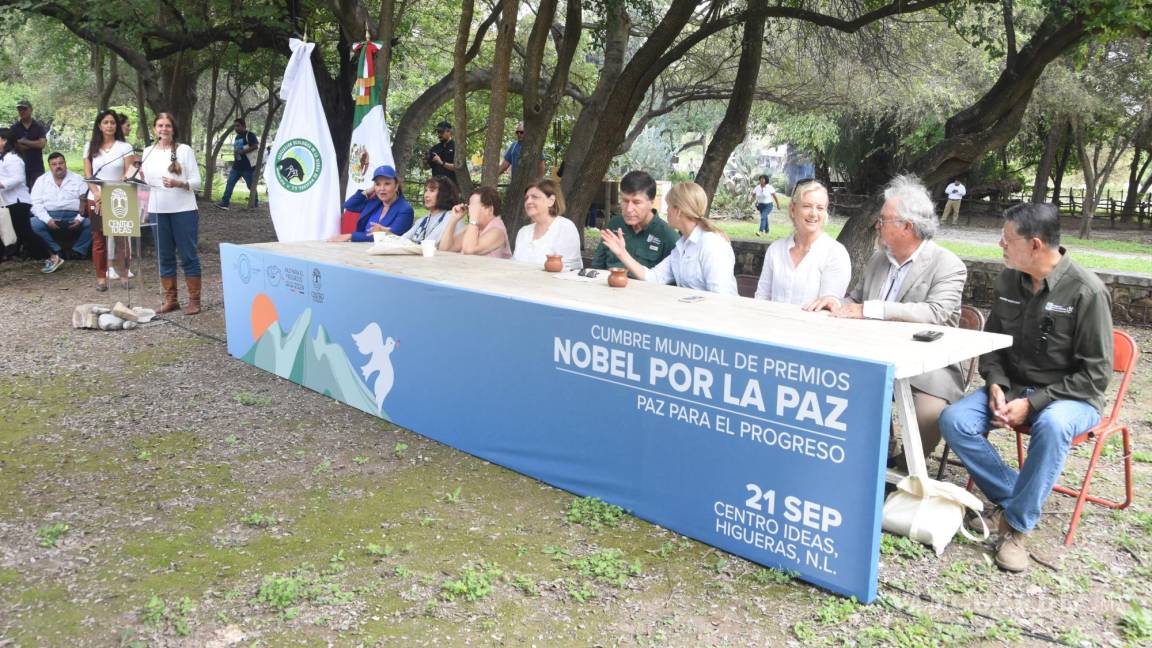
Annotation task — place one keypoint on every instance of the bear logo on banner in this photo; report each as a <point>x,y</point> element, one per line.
<point>298,165</point>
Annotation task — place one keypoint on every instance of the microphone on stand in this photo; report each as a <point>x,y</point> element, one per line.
<point>139,167</point>
<point>95,180</point>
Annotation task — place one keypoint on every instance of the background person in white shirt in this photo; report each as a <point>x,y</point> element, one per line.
<point>955,192</point>
<point>549,232</point>
<point>171,172</point>
<point>765,196</point>
<point>809,263</point>
<point>702,259</point>
<point>56,206</point>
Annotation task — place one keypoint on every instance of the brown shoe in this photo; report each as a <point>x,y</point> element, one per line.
<point>993,517</point>
<point>170,302</point>
<point>1011,550</point>
<point>193,296</point>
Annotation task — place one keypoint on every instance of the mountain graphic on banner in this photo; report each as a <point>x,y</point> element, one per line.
<point>317,363</point>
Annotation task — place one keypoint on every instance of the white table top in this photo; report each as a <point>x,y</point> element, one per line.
<point>782,324</point>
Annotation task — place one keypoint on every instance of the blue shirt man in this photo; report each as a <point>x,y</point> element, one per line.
<point>512,155</point>
<point>243,149</point>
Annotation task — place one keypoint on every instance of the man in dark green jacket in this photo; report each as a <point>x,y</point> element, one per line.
<point>1052,378</point>
<point>647,237</point>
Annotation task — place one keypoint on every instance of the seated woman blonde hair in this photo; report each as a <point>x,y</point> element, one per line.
<point>702,259</point>
<point>808,263</point>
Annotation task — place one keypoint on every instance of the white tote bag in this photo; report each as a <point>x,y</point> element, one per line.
<point>7,232</point>
<point>930,511</point>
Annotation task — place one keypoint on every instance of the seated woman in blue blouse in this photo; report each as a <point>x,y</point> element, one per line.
<point>382,207</point>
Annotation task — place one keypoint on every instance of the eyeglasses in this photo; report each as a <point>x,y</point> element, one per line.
<point>1047,324</point>
<point>1005,240</point>
<point>881,222</point>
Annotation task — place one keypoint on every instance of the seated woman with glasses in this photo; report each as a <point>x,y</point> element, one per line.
<point>809,263</point>
<point>485,234</point>
<point>702,259</point>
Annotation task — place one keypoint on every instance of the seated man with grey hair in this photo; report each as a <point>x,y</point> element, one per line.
<point>910,279</point>
<point>1053,377</point>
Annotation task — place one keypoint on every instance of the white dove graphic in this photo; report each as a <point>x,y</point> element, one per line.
<point>371,343</point>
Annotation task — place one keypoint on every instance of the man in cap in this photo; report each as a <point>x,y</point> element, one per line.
<point>512,155</point>
<point>382,207</point>
<point>31,137</point>
<point>442,157</point>
<point>244,149</point>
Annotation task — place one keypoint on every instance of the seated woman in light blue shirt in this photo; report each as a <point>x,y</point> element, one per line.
<point>440,196</point>
<point>702,259</point>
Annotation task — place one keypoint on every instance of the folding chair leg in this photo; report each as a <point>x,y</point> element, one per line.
<point>943,463</point>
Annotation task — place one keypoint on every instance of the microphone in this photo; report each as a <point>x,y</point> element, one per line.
<point>139,167</point>
<point>96,180</point>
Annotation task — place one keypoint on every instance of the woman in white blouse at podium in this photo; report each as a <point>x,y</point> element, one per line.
<point>702,259</point>
<point>809,263</point>
<point>549,232</point>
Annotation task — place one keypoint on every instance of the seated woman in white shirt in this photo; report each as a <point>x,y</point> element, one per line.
<point>809,263</point>
<point>549,232</point>
<point>702,259</point>
<point>485,234</point>
<point>440,196</point>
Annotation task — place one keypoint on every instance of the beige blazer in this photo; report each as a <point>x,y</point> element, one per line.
<point>930,294</point>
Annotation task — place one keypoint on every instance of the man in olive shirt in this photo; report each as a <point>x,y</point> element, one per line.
<point>1052,378</point>
<point>646,236</point>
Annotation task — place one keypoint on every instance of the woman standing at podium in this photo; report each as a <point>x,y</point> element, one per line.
<point>107,157</point>
<point>703,258</point>
<point>171,172</point>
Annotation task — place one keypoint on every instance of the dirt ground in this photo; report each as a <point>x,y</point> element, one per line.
<point>156,492</point>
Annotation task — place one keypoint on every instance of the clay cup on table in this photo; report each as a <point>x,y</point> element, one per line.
<point>618,278</point>
<point>554,263</point>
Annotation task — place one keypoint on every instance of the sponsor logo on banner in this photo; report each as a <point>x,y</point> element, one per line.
<point>274,275</point>
<point>119,202</point>
<point>298,165</point>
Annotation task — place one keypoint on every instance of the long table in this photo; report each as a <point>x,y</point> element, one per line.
<point>752,426</point>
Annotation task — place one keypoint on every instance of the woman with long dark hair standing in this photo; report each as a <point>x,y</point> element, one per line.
<point>14,195</point>
<point>106,157</point>
<point>173,177</point>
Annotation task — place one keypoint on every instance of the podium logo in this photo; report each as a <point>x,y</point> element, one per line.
<point>298,165</point>
<point>119,199</point>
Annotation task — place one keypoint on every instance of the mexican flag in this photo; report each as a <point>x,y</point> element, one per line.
<point>302,177</point>
<point>371,143</point>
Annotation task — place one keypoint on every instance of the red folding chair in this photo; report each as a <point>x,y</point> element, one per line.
<point>1124,356</point>
<point>348,221</point>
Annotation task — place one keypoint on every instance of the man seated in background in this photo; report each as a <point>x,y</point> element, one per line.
<point>647,237</point>
<point>56,202</point>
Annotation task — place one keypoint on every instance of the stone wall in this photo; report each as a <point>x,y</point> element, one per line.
<point>1131,294</point>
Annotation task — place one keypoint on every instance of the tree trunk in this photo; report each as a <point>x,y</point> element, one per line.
<point>1061,166</point>
<point>617,27</point>
<point>460,96</point>
<point>142,121</point>
<point>209,133</point>
<point>1140,159</point>
<point>540,107</point>
<point>336,97</point>
<point>498,96</point>
<point>274,104</point>
<point>733,127</point>
<point>386,30</point>
<point>1052,142</point>
<point>175,92</point>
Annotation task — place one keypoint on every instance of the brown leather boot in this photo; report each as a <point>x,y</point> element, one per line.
<point>170,303</point>
<point>193,296</point>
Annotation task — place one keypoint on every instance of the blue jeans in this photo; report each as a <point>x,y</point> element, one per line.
<point>765,210</point>
<point>178,231</point>
<point>64,222</point>
<point>1022,494</point>
<point>248,173</point>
